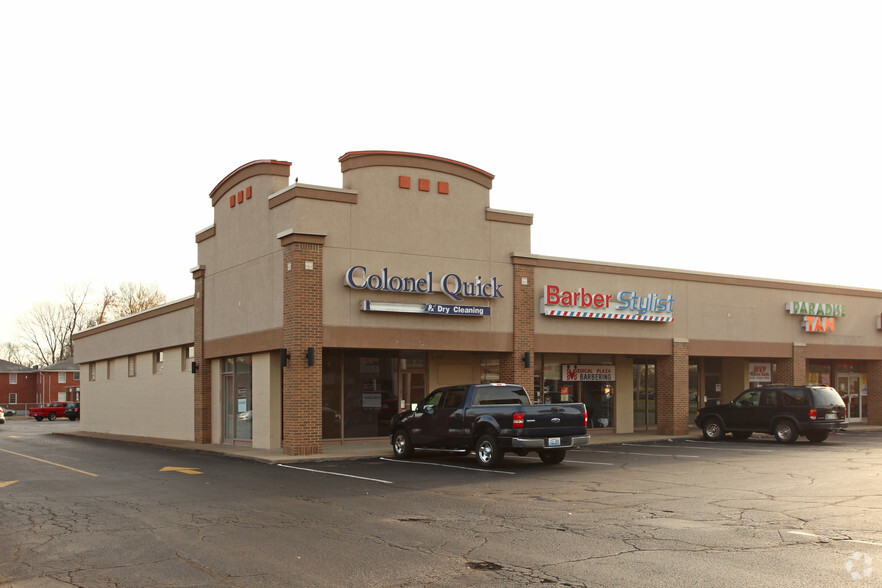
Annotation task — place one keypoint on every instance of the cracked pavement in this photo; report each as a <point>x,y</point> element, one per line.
<point>685,512</point>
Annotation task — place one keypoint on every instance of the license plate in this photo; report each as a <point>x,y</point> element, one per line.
<point>553,441</point>
<point>832,416</point>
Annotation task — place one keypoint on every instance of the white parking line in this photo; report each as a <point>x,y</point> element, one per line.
<point>742,449</point>
<point>444,465</point>
<point>569,460</point>
<point>334,474</point>
<point>648,454</point>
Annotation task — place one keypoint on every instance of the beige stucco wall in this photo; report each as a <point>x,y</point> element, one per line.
<point>722,309</point>
<point>146,405</point>
<point>410,232</point>
<point>243,279</point>
<point>116,403</point>
<point>159,329</point>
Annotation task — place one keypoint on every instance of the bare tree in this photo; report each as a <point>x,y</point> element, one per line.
<point>104,308</point>
<point>14,353</point>
<point>135,297</point>
<point>45,331</point>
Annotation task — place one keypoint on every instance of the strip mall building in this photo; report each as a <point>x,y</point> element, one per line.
<point>320,312</point>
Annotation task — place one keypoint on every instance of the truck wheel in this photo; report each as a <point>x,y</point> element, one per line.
<point>487,450</point>
<point>51,416</point>
<point>553,456</point>
<point>38,419</point>
<point>401,445</point>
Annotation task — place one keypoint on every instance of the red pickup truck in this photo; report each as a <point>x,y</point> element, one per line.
<point>51,412</point>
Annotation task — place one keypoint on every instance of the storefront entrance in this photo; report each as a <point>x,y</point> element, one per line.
<point>849,387</point>
<point>237,400</point>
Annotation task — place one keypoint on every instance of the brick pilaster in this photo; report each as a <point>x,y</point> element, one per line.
<point>672,390</point>
<point>202,378</point>
<point>792,370</point>
<point>302,383</point>
<point>512,367</point>
<point>873,408</point>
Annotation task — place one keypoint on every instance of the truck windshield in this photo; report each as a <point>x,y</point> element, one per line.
<point>501,395</point>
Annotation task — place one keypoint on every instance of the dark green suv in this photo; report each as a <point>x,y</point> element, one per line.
<point>783,411</point>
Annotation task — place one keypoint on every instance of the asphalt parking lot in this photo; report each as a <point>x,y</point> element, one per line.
<point>89,512</point>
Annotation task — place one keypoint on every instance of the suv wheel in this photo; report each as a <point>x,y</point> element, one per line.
<point>712,429</point>
<point>817,436</point>
<point>785,432</point>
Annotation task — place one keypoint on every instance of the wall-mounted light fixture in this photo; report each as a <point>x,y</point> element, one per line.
<point>283,357</point>
<point>194,367</point>
<point>310,356</point>
<point>528,359</point>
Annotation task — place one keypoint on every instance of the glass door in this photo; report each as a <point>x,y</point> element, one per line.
<point>849,387</point>
<point>237,400</point>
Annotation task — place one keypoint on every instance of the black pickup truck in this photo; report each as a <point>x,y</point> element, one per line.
<point>489,419</point>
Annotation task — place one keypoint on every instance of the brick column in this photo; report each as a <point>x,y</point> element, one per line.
<point>512,367</point>
<point>302,383</point>
<point>672,390</point>
<point>792,371</point>
<point>202,378</point>
<point>873,408</point>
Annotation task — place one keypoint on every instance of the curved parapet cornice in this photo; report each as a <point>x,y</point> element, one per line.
<point>360,159</point>
<point>259,167</point>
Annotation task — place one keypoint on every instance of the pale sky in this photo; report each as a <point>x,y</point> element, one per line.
<point>737,138</point>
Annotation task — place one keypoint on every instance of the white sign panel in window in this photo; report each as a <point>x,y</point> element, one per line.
<point>760,372</point>
<point>588,373</point>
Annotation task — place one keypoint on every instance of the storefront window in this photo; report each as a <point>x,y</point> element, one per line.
<point>644,394</point>
<point>820,374</point>
<point>332,400</point>
<point>489,370</point>
<point>597,396</point>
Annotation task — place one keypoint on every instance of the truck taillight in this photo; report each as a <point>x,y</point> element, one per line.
<point>586,417</point>
<point>813,414</point>
<point>518,420</point>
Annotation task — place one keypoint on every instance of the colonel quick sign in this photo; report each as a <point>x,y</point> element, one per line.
<point>625,305</point>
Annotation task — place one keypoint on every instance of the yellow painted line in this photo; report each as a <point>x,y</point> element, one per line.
<point>50,463</point>
<point>5,484</point>
<point>191,471</point>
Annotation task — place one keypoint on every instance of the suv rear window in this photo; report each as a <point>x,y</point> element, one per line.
<point>826,396</point>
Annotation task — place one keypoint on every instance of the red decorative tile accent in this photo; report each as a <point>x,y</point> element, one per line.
<point>424,185</point>
<point>248,193</point>
<point>443,188</point>
<point>232,201</point>
<point>404,182</point>
<point>241,196</point>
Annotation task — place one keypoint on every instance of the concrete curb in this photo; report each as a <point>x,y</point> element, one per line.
<point>367,449</point>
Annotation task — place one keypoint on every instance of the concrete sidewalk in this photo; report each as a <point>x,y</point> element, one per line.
<point>374,448</point>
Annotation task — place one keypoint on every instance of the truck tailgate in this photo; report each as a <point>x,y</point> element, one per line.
<point>554,420</point>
